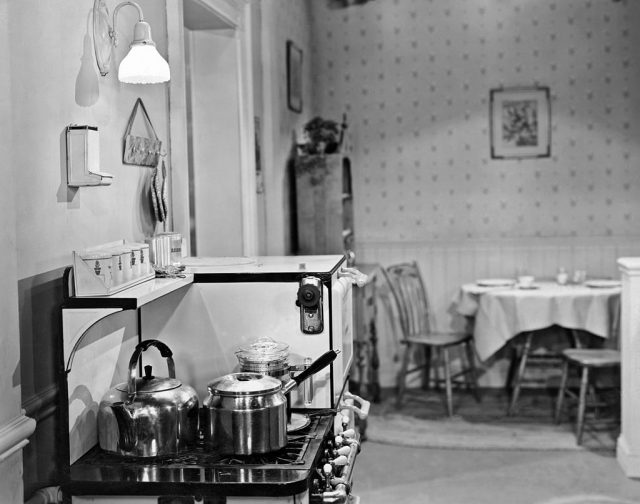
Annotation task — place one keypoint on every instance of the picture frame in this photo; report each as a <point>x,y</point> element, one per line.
<point>520,122</point>
<point>294,77</point>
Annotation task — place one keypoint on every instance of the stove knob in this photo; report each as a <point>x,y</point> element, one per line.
<point>339,440</point>
<point>340,461</point>
<point>328,474</point>
<point>345,450</point>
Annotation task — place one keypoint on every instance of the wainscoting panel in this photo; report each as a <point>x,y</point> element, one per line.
<point>447,265</point>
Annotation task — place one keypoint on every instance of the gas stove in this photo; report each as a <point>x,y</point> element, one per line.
<point>216,305</point>
<point>315,466</point>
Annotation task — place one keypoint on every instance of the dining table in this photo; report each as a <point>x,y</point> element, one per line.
<point>502,309</point>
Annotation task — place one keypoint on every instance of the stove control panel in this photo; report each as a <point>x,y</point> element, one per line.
<point>333,476</point>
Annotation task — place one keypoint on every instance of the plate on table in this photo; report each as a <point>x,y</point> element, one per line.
<point>528,287</point>
<point>495,282</point>
<point>603,284</point>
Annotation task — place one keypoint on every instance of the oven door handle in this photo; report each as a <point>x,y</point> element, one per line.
<point>354,275</point>
<point>362,410</point>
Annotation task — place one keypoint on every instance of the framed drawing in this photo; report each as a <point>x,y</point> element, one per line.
<point>520,122</point>
<point>294,77</point>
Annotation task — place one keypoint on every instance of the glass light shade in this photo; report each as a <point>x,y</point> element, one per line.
<point>143,65</point>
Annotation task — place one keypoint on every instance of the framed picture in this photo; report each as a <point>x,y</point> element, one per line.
<point>294,77</point>
<point>520,122</point>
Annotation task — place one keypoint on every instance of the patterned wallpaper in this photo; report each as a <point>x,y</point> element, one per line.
<point>414,78</point>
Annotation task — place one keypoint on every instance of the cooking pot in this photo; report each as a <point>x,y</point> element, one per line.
<point>246,413</point>
<point>148,416</point>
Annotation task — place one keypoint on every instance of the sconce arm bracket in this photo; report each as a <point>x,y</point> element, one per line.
<point>104,32</point>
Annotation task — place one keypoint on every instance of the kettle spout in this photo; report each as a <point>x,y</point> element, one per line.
<point>126,425</point>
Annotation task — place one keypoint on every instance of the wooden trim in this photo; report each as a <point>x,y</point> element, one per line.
<point>43,404</point>
<point>502,242</point>
<point>14,435</point>
<point>247,132</point>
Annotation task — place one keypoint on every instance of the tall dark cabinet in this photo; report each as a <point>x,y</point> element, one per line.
<point>324,204</point>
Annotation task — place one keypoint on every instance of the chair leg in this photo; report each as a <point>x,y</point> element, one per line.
<point>574,337</point>
<point>473,371</point>
<point>437,361</point>
<point>561,391</point>
<point>402,374</point>
<point>447,380</point>
<point>520,374</point>
<point>426,372</point>
<point>584,382</point>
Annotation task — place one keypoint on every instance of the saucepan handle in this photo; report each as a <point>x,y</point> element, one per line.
<point>320,363</point>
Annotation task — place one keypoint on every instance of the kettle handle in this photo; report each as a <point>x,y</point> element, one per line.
<point>165,351</point>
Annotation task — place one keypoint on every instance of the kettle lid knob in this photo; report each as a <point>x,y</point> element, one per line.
<point>147,372</point>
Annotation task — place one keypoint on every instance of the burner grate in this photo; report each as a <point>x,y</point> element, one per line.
<point>293,453</point>
<point>200,457</point>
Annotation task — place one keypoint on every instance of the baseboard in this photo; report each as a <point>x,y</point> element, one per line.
<point>629,461</point>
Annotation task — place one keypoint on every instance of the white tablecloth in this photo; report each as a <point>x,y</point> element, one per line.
<point>501,313</point>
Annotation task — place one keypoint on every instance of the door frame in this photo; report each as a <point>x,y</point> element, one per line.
<point>237,17</point>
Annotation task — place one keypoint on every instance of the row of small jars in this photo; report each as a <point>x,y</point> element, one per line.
<point>121,264</point>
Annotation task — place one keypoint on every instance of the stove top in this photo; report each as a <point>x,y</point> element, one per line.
<point>199,471</point>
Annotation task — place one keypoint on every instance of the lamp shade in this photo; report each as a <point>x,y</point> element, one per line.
<point>143,64</point>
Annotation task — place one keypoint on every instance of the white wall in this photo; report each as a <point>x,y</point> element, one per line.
<point>11,487</point>
<point>55,83</point>
<point>49,81</point>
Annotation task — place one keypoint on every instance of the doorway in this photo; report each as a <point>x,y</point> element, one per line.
<point>211,121</point>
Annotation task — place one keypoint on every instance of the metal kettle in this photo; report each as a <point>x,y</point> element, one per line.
<point>148,416</point>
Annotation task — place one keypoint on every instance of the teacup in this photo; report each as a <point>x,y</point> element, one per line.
<point>526,281</point>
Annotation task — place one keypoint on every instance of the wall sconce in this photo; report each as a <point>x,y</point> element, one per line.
<point>143,64</point>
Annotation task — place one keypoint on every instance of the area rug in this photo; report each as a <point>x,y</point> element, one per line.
<point>458,433</point>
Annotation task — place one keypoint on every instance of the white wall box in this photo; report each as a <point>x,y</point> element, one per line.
<point>83,157</point>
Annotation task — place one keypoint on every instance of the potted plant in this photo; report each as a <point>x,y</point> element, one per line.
<point>323,136</point>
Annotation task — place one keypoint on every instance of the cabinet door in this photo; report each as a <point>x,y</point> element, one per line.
<point>321,204</point>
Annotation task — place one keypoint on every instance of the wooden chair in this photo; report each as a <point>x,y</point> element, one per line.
<point>410,296</point>
<point>585,359</point>
<point>529,357</point>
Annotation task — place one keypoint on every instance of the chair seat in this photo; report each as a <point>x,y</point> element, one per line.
<point>587,359</point>
<point>593,357</point>
<point>438,338</point>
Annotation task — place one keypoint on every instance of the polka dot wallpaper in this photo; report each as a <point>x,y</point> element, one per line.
<point>414,78</point>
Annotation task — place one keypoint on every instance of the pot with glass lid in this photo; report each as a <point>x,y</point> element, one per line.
<point>148,416</point>
<point>265,356</point>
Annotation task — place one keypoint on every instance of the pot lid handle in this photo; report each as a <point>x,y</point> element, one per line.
<point>165,351</point>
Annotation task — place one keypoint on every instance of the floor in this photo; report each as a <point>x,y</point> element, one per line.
<point>401,475</point>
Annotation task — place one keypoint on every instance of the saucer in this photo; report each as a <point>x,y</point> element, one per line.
<point>495,282</point>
